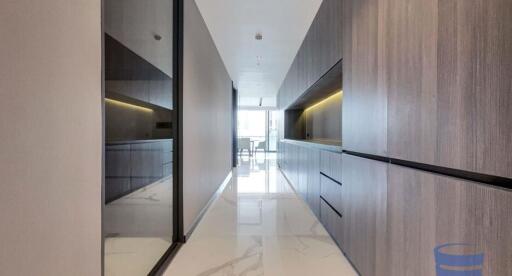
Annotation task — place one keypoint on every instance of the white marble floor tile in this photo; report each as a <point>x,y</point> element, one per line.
<point>259,226</point>
<point>132,256</point>
<point>138,229</point>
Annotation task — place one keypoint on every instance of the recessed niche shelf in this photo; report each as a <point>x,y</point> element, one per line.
<point>316,115</point>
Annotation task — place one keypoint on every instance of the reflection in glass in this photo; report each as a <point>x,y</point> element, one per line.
<point>137,218</point>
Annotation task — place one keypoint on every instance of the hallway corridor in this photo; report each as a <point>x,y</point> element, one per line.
<point>259,226</point>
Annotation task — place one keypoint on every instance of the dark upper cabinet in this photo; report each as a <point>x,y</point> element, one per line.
<point>155,92</point>
<point>448,67</point>
<point>426,210</point>
<point>320,50</point>
<point>364,119</point>
<point>160,93</point>
<point>363,204</point>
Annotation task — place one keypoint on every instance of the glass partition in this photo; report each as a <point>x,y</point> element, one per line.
<point>138,184</point>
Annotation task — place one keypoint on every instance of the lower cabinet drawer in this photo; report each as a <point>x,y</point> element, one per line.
<point>331,164</point>
<point>167,169</point>
<point>116,187</point>
<point>331,220</point>
<point>330,190</point>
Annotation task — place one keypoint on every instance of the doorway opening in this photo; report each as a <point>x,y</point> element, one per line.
<point>256,131</point>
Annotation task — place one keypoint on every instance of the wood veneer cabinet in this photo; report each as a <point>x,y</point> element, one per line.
<point>320,50</point>
<point>131,165</point>
<point>425,210</point>
<point>363,201</point>
<point>330,164</point>
<point>313,189</point>
<point>429,81</point>
<point>448,66</point>
<point>364,96</point>
<point>301,165</point>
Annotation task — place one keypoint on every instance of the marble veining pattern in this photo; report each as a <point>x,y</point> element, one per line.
<point>259,226</point>
<point>138,229</point>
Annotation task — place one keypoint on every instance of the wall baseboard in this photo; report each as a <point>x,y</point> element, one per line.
<point>214,197</point>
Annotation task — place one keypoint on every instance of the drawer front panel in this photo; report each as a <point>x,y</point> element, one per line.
<point>330,190</point>
<point>330,164</point>
<point>332,221</point>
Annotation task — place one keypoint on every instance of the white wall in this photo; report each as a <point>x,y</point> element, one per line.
<point>50,137</point>
<point>207,111</point>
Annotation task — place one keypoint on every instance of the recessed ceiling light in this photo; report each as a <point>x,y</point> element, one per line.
<point>258,36</point>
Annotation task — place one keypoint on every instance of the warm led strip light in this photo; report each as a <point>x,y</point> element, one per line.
<point>128,105</point>
<point>324,100</point>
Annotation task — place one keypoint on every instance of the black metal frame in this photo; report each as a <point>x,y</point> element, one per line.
<point>178,236</point>
<point>235,125</point>
<point>491,180</point>
<point>177,65</point>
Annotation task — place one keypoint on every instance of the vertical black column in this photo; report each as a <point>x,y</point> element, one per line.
<point>235,126</point>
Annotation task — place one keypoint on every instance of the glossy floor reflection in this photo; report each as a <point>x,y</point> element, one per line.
<point>259,226</point>
<point>138,229</point>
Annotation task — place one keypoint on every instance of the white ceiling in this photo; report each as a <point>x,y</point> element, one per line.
<point>234,24</point>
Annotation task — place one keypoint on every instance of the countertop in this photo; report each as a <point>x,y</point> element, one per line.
<point>124,142</point>
<point>334,146</point>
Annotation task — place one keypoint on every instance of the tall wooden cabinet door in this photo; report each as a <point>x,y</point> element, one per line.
<point>474,81</point>
<point>364,95</point>
<point>364,196</point>
<point>449,65</point>
<point>314,181</point>
<point>426,210</point>
<point>327,30</point>
<point>411,64</point>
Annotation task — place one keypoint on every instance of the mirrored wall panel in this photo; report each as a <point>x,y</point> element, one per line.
<point>138,211</point>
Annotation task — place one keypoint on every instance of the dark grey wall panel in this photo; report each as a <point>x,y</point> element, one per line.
<point>207,116</point>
